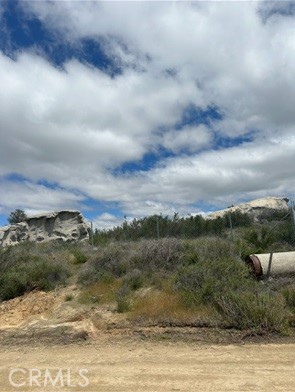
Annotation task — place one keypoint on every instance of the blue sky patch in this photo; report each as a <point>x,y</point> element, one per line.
<point>3,220</point>
<point>194,115</point>
<point>148,162</point>
<point>274,8</point>
<point>14,177</point>
<point>221,141</point>
<point>22,32</point>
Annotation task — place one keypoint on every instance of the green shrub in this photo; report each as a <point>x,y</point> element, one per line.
<point>34,274</point>
<point>121,259</point>
<point>87,275</point>
<point>133,280</point>
<point>80,257</point>
<point>241,301</point>
<point>14,255</point>
<point>162,254</point>
<point>259,240</point>
<point>113,258</point>
<point>204,281</point>
<point>210,248</point>
<point>12,284</point>
<point>258,311</point>
<point>90,275</point>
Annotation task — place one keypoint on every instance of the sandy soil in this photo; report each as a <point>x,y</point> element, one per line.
<point>49,344</point>
<point>153,366</point>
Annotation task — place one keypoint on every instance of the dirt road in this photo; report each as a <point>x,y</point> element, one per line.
<point>148,366</point>
<point>49,344</point>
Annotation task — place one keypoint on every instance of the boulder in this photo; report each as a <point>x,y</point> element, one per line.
<point>255,207</point>
<point>63,226</point>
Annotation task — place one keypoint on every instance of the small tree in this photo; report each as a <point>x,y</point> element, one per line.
<point>17,216</point>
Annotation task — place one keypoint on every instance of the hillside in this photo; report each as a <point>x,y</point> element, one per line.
<point>148,280</point>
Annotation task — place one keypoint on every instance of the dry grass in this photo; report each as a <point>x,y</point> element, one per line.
<point>100,292</point>
<point>167,308</point>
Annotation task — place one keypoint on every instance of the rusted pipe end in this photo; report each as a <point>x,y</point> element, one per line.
<point>254,263</point>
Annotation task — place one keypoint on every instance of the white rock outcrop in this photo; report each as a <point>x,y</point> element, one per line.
<point>255,207</point>
<point>64,226</point>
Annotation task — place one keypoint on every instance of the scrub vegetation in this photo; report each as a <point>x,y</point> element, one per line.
<point>179,280</point>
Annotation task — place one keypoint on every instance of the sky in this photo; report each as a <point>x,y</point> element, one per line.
<point>127,109</point>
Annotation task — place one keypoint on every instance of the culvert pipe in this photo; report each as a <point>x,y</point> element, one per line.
<point>270,264</point>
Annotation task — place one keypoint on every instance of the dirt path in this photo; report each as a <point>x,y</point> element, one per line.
<point>150,366</point>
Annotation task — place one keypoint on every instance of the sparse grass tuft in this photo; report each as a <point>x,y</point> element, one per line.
<point>123,298</point>
<point>69,297</point>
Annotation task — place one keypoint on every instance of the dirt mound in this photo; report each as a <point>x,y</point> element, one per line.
<point>50,315</point>
<point>20,310</point>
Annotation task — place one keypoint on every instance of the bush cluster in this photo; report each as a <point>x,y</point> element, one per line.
<point>27,267</point>
<point>145,256</point>
<point>206,272</point>
<point>242,302</point>
<point>181,277</point>
<point>258,310</point>
<point>205,281</point>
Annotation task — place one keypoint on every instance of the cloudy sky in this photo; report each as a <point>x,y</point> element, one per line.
<point>135,108</point>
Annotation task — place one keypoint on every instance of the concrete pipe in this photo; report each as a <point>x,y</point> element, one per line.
<point>267,264</point>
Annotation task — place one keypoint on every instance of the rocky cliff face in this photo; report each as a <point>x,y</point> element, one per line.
<point>65,226</point>
<point>255,207</point>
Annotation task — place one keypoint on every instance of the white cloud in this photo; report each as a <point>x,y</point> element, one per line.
<point>35,198</point>
<point>107,221</point>
<point>242,170</point>
<point>80,119</point>
<point>220,178</point>
<point>244,66</point>
<point>189,138</point>
<point>75,125</point>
